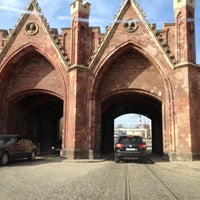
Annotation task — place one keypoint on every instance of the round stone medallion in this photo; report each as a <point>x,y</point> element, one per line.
<point>32,28</point>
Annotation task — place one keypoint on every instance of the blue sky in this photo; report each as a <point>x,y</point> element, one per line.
<point>57,13</point>
<point>131,120</point>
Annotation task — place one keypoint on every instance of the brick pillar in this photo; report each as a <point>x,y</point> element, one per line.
<point>182,115</point>
<point>77,136</point>
<point>184,89</point>
<point>185,30</point>
<point>194,74</point>
<point>79,32</point>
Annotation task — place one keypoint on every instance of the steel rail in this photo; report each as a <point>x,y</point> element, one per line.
<point>127,194</point>
<point>164,187</point>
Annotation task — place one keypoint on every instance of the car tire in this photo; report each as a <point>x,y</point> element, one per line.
<point>4,159</point>
<point>142,159</point>
<point>117,159</point>
<point>32,156</point>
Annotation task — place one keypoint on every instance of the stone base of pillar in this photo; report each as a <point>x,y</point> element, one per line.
<point>184,156</point>
<point>96,154</point>
<point>75,154</point>
<point>196,156</point>
<point>65,153</point>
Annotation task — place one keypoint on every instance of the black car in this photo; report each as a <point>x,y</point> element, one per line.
<point>14,147</point>
<point>130,147</point>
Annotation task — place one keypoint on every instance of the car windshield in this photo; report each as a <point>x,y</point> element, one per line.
<point>130,140</point>
<point>7,140</point>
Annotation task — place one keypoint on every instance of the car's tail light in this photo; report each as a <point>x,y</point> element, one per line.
<point>119,145</point>
<point>142,145</point>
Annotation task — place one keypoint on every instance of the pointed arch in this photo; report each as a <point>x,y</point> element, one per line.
<point>120,50</point>
<point>109,78</point>
<point>20,52</point>
<point>39,114</point>
<point>179,36</point>
<point>33,85</point>
<point>20,57</point>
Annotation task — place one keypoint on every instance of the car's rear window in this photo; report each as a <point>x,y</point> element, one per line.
<point>130,140</point>
<point>7,140</point>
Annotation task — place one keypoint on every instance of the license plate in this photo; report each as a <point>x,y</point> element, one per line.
<point>131,149</point>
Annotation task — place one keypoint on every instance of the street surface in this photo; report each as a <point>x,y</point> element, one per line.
<point>50,178</point>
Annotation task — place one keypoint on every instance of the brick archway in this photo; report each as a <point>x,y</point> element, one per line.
<point>39,117</point>
<point>32,100</point>
<point>130,102</point>
<point>130,73</point>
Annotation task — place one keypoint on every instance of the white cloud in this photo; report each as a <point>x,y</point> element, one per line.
<point>12,3</point>
<point>11,9</point>
<point>102,11</point>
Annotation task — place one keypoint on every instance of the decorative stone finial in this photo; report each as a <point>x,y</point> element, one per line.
<point>79,6</point>
<point>182,3</point>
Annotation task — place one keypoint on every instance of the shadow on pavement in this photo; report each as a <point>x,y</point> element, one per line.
<point>154,158</point>
<point>45,159</point>
<point>38,161</point>
<point>150,159</point>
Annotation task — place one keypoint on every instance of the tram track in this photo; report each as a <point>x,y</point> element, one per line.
<point>164,187</point>
<point>127,194</point>
<point>151,175</point>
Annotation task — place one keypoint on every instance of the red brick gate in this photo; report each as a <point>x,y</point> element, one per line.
<point>86,79</point>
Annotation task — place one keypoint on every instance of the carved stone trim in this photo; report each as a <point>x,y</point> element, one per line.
<point>130,25</point>
<point>32,28</point>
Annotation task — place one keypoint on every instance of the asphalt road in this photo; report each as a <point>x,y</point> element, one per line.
<point>50,178</point>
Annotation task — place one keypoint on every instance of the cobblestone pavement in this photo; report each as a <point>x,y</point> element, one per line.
<point>54,178</point>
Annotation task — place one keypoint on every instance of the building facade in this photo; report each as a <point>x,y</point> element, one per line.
<point>68,88</point>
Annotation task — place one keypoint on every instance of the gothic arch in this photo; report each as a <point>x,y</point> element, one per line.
<point>131,101</point>
<point>119,50</point>
<point>30,47</point>
<point>166,100</point>
<point>129,45</point>
<point>36,114</point>
<point>33,89</point>
<point>30,55</point>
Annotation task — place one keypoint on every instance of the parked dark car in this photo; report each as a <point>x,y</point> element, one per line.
<point>14,147</point>
<point>130,147</point>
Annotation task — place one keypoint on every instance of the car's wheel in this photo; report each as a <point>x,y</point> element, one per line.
<point>32,156</point>
<point>4,159</point>
<point>117,159</point>
<point>142,159</point>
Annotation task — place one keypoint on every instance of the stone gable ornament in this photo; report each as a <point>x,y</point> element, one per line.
<point>130,25</point>
<point>32,28</point>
